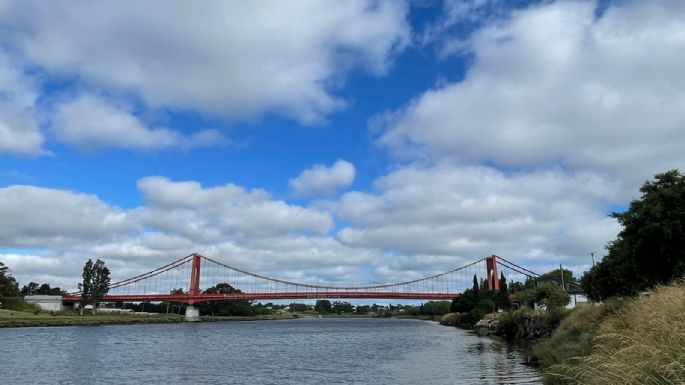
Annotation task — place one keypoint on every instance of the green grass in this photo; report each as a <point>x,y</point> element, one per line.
<point>641,341</point>
<point>16,318</point>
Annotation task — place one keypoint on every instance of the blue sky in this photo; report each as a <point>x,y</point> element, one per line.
<point>263,153</point>
<point>330,141</point>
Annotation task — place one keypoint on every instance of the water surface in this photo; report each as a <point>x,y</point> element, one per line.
<point>304,351</point>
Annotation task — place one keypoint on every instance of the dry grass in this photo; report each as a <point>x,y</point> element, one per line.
<point>574,336</point>
<point>642,343</point>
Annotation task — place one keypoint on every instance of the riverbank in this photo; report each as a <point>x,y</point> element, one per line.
<point>634,341</point>
<point>622,341</point>
<point>17,318</point>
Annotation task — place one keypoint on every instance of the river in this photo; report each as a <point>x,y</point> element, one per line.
<point>302,351</point>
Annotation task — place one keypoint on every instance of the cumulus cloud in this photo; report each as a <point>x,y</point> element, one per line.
<point>244,227</point>
<point>210,214</point>
<point>19,132</point>
<point>235,59</point>
<point>557,84</point>
<point>460,213</point>
<point>574,106</point>
<point>48,218</point>
<point>321,180</point>
<point>417,221</point>
<point>89,122</point>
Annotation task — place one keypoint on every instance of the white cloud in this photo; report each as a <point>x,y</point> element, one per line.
<point>321,180</point>
<point>210,214</point>
<point>468,212</point>
<point>419,221</point>
<point>89,122</point>
<point>238,226</point>
<point>556,84</point>
<point>47,218</point>
<point>581,106</point>
<point>19,132</point>
<point>235,59</point>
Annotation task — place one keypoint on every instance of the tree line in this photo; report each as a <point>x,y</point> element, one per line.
<point>650,248</point>
<point>9,286</point>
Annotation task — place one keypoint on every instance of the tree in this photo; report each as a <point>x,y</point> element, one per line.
<point>30,289</point>
<point>323,306</point>
<point>552,297</point>
<point>95,284</point>
<point>9,287</point>
<point>650,249</point>
<point>297,307</point>
<point>342,307</point>
<point>476,287</point>
<point>555,276</point>
<point>503,300</point>
<point>465,302</point>
<point>363,309</point>
<point>232,307</point>
<point>434,308</point>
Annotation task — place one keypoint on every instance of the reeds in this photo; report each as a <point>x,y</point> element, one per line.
<point>643,342</point>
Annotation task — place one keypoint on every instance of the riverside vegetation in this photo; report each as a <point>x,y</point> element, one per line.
<point>633,333</point>
<point>622,341</point>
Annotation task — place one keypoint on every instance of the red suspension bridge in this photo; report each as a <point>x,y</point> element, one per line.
<point>186,281</point>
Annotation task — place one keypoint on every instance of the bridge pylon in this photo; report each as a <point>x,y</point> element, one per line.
<point>493,278</point>
<point>193,314</point>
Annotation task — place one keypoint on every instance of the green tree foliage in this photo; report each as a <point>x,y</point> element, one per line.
<point>552,297</point>
<point>342,307</point>
<point>435,308</point>
<point>478,301</point>
<point>297,307</point>
<point>9,287</point>
<point>34,289</point>
<point>29,289</point>
<point>240,307</point>
<point>465,302</point>
<point>323,306</point>
<point>527,296</point>
<point>476,287</point>
<point>362,309</point>
<point>95,284</point>
<point>651,247</point>
<point>503,300</point>
<point>555,276</point>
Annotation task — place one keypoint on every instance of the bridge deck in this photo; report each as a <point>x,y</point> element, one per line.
<point>266,296</point>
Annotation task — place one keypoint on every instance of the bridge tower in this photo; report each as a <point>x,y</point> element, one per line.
<point>493,278</point>
<point>193,314</point>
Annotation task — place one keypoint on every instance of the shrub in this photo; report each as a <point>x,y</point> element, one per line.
<point>18,304</point>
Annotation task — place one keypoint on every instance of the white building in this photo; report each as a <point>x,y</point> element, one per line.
<point>45,302</point>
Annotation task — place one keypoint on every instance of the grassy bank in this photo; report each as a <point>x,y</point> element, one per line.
<point>30,316</point>
<point>637,341</point>
<point>16,318</point>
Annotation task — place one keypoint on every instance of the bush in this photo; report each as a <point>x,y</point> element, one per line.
<point>18,304</point>
<point>449,319</point>
<point>507,325</point>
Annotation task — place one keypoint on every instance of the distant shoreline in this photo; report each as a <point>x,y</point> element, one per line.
<point>19,319</point>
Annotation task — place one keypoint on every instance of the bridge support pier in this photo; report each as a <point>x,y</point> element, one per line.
<point>192,314</point>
